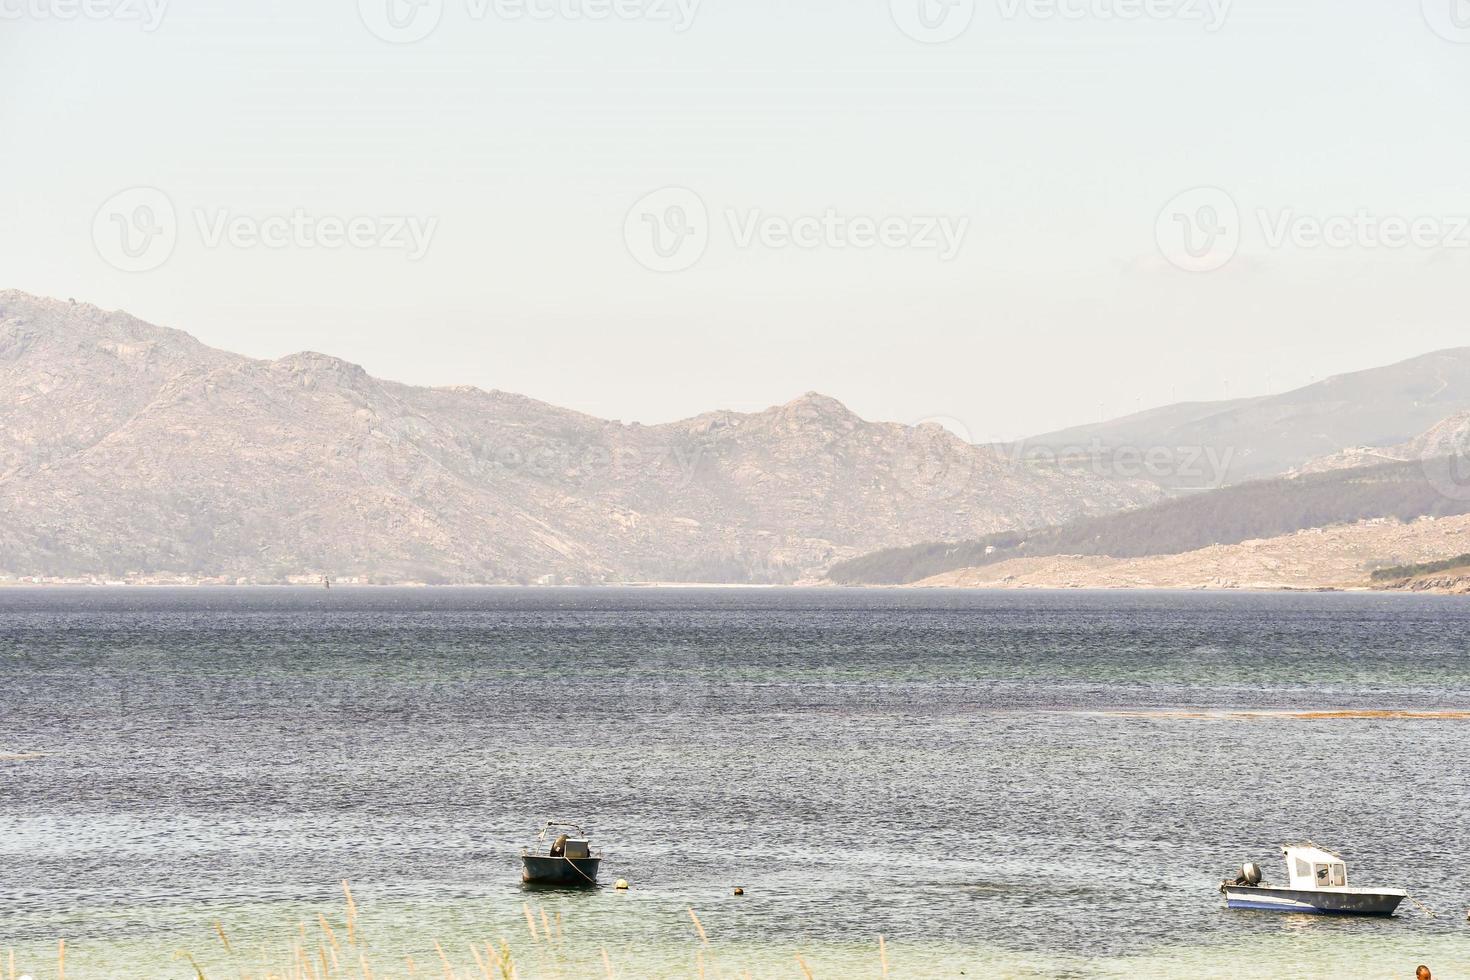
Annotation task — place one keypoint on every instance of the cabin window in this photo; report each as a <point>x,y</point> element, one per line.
<point>1323,874</point>
<point>1303,869</point>
<point>1339,875</point>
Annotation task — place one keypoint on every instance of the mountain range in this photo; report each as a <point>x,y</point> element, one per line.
<point>133,452</point>
<point>130,451</point>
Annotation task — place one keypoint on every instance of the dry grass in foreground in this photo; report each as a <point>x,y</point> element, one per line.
<point>320,952</point>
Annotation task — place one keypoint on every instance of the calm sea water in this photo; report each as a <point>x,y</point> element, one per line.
<point>1033,784</point>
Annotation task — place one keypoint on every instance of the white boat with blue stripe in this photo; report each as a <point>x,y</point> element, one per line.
<point>1317,883</point>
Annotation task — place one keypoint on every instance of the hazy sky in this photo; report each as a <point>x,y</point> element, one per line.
<point>496,166</point>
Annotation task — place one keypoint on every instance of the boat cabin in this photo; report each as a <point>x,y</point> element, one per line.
<point>575,848</point>
<point>1310,867</point>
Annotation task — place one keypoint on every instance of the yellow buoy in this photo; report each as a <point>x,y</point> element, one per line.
<point>739,890</point>
<point>622,885</point>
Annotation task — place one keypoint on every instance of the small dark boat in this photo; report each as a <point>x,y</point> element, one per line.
<point>1316,883</point>
<point>567,860</point>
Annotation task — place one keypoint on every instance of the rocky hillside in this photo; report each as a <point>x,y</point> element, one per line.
<point>1447,575</point>
<point>129,450</point>
<point>1444,583</point>
<point>1449,438</point>
<point>1342,557</point>
<point>1258,509</point>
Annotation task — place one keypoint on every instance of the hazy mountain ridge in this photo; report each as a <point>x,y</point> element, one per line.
<point>128,449</point>
<point>83,382</point>
<point>1277,434</point>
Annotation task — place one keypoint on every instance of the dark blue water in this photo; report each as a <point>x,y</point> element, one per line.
<point>1036,778</point>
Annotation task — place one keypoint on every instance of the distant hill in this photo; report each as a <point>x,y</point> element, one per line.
<point>1247,511</point>
<point>1343,556</point>
<point>1273,435</point>
<point>1449,437</point>
<point>129,450</point>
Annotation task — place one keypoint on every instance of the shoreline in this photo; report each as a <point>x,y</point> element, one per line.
<point>924,586</point>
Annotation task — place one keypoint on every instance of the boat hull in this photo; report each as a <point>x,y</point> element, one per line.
<point>1351,901</point>
<point>538,870</point>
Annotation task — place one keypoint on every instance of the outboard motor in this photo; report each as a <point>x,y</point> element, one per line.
<point>1250,874</point>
